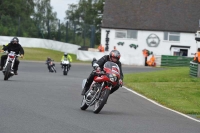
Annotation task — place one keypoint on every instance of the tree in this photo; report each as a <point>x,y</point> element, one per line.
<point>84,14</point>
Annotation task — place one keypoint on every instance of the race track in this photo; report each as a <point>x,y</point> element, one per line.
<point>37,101</point>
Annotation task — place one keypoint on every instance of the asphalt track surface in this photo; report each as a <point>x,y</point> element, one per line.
<point>37,101</point>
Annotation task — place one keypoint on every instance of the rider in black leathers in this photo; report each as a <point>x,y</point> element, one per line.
<point>114,56</point>
<point>17,48</point>
<point>48,61</point>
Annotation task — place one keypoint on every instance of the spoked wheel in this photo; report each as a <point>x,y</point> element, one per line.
<point>7,71</point>
<point>54,69</point>
<point>84,106</point>
<point>99,104</point>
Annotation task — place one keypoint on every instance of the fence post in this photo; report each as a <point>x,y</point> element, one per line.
<point>66,31</point>
<point>48,28</point>
<point>74,33</point>
<point>92,36</point>
<point>18,27</point>
<point>59,35</point>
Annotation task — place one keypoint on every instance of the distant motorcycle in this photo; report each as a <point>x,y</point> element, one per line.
<point>100,89</point>
<point>52,66</point>
<point>65,66</point>
<point>9,65</point>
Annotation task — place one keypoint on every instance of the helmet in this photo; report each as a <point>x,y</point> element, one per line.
<point>94,59</point>
<point>115,54</point>
<point>65,54</point>
<point>15,39</point>
<point>48,58</point>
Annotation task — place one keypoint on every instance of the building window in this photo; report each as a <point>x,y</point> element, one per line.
<point>126,34</point>
<point>172,36</point>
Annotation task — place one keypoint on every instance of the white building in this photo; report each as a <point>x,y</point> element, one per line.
<point>165,27</point>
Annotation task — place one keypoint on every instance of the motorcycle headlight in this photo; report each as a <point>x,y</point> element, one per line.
<point>113,77</point>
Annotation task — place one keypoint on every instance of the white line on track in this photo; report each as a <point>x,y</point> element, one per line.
<point>161,105</point>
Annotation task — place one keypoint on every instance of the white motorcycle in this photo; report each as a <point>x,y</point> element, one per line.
<point>9,65</point>
<point>65,66</point>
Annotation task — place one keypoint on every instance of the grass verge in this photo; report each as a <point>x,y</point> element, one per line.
<point>41,54</point>
<point>172,87</point>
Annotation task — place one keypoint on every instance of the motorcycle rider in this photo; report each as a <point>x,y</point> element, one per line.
<point>48,62</point>
<point>68,57</point>
<point>18,49</point>
<point>113,56</point>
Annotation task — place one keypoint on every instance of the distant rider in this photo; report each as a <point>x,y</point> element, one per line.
<point>17,48</point>
<point>48,62</point>
<point>68,57</point>
<point>114,56</point>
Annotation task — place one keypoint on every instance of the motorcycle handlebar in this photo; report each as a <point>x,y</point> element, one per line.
<point>18,55</point>
<point>100,73</point>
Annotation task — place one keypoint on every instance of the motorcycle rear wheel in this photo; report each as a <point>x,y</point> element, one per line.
<point>99,104</point>
<point>84,106</point>
<point>7,71</point>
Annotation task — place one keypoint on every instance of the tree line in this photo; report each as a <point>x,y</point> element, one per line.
<point>36,19</point>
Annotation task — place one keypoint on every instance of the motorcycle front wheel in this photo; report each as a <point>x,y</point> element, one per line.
<point>65,71</point>
<point>84,106</point>
<point>99,104</point>
<point>7,71</point>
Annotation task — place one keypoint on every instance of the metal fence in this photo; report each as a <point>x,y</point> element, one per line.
<point>175,61</point>
<point>193,69</point>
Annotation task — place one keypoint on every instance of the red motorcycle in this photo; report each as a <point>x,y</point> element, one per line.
<point>100,89</point>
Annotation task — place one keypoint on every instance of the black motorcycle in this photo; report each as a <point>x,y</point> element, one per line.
<point>51,65</point>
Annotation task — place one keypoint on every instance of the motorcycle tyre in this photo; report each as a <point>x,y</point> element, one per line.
<point>54,69</point>
<point>7,71</point>
<point>64,71</point>
<point>84,106</point>
<point>106,94</point>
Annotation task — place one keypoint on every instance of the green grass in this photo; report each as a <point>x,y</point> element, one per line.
<point>172,87</point>
<point>41,54</point>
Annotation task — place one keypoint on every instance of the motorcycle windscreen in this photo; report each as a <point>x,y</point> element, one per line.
<point>111,67</point>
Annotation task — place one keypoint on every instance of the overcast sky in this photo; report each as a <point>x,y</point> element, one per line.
<point>60,6</point>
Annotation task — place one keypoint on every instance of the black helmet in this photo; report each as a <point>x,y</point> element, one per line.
<point>115,54</point>
<point>15,39</point>
<point>65,54</point>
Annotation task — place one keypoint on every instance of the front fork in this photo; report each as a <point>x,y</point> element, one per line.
<point>108,86</point>
<point>9,60</point>
<point>13,62</point>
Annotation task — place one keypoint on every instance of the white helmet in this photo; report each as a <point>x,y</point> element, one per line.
<point>65,54</point>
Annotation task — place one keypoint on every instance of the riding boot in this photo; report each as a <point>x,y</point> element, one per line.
<point>88,83</point>
<point>86,88</point>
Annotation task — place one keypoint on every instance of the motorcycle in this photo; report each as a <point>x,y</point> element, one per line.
<point>52,66</point>
<point>9,65</point>
<point>99,90</point>
<point>65,66</point>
